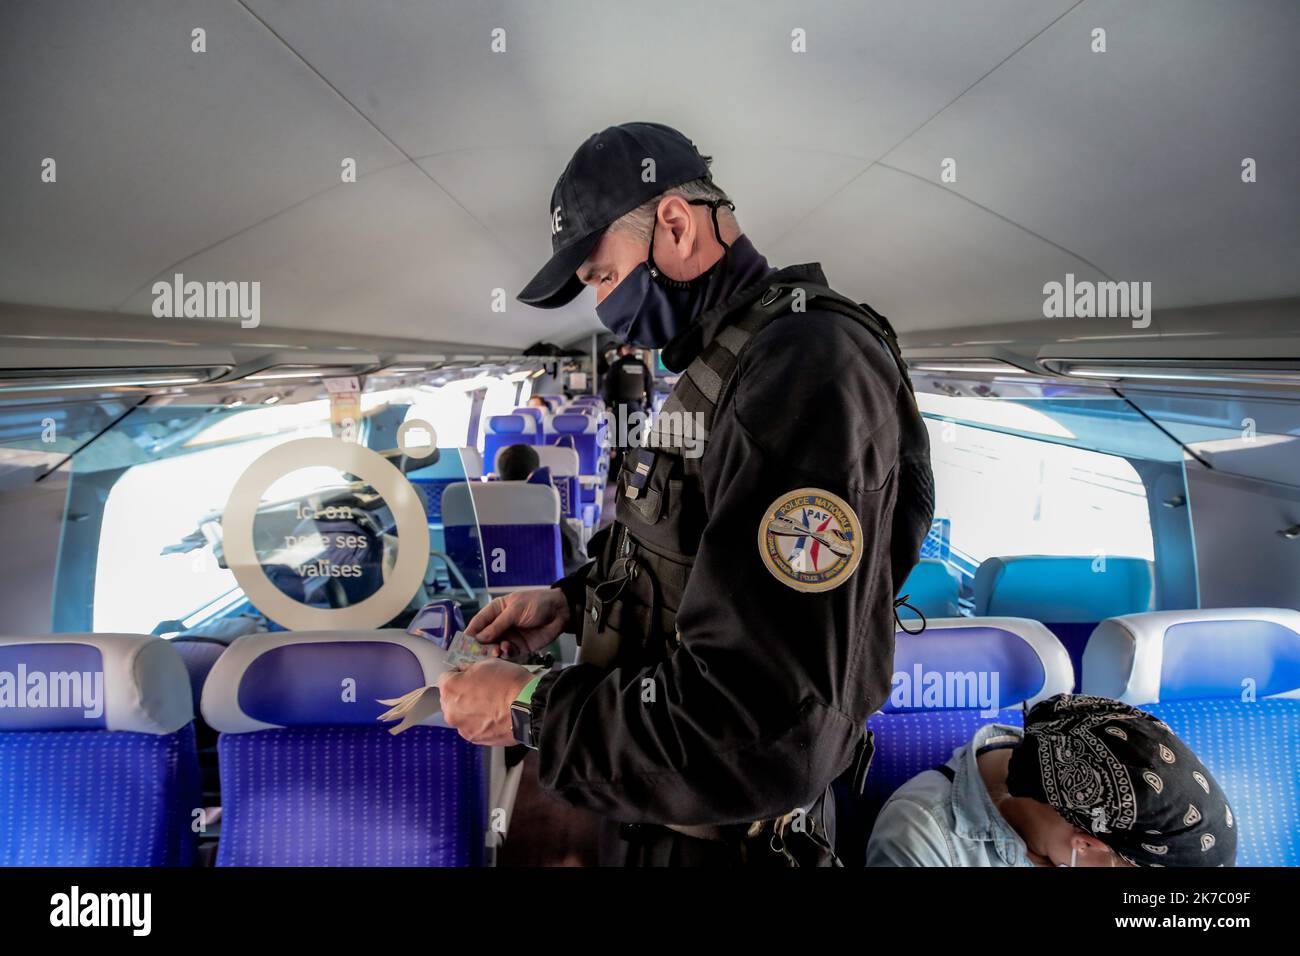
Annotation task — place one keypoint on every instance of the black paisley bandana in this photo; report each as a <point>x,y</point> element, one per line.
<point>1122,775</point>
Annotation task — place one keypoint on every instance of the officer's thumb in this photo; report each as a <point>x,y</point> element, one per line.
<point>494,627</point>
<point>484,618</point>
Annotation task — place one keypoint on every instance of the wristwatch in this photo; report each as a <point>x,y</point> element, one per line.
<point>521,714</point>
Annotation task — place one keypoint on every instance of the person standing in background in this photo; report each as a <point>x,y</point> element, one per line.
<point>629,393</point>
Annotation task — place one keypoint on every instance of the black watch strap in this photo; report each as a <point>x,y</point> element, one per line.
<point>521,723</point>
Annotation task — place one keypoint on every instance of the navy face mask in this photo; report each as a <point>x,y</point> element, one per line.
<point>648,308</point>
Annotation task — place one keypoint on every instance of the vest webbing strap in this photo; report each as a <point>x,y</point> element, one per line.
<point>690,409</point>
<point>694,400</point>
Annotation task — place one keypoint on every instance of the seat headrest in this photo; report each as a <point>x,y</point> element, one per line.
<point>500,502</point>
<point>590,411</point>
<point>531,411</point>
<point>572,423</point>
<point>1060,590</point>
<point>120,682</point>
<point>316,679</point>
<point>986,664</point>
<point>512,425</point>
<point>438,621</point>
<point>563,461</point>
<point>1235,653</point>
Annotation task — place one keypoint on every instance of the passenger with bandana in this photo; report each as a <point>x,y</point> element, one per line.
<point>737,627</point>
<point>1089,781</point>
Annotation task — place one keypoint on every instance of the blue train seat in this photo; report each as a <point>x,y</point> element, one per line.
<point>97,754</point>
<point>504,535</point>
<point>1227,680</point>
<point>1070,594</point>
<point>933,589</point>
<point>953,678</point>
<point>308,776</point>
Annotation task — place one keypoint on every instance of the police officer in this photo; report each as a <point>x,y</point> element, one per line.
<point>737,628</point>
<point>629,391</point>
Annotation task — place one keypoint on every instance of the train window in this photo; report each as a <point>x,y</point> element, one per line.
<point>449,408</point>
<point>142,577</point>
<point>1002,494</point>
<point>499,398</point>
<point>525,385</point>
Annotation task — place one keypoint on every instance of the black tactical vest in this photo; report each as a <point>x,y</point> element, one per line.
<point>635,589</point>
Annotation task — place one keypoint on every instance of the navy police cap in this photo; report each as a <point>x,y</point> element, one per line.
<point>606,179</point>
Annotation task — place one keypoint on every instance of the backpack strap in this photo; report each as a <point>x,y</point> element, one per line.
<point>997,743</point>
<point>860,312</point>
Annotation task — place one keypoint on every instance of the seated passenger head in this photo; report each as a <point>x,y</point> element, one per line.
<point>516,462</point>
<point>1096,782</point>
<point>538,402</point>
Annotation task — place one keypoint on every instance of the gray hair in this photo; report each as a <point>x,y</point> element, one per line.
<point>640,221</point>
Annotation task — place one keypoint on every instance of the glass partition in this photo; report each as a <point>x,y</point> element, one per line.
<point>328,534</point>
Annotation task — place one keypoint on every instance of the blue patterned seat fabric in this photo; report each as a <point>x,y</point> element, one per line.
<point>351,796</point>
<point>1253,750</point>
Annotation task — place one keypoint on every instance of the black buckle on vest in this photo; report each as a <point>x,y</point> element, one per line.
<point>596,609</point>
<point>862,762</point>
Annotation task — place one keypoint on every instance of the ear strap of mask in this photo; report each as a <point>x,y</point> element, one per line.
<point>657,274</point>
<point>713,205</point>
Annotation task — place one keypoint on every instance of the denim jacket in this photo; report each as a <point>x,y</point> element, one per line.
<point>930,821</point>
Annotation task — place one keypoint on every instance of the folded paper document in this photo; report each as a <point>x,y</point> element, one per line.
<point>411,709</point>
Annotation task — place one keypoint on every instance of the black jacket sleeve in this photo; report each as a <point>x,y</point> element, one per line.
<point>574,588</point>
<point>764,701</point>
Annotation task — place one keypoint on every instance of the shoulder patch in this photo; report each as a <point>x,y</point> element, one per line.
<point>809,540</point>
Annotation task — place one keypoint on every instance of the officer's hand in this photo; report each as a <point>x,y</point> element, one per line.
<point>476,700</point>
<point>521,622</point>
